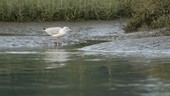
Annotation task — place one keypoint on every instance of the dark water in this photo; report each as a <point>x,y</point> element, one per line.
<point>64,72</point>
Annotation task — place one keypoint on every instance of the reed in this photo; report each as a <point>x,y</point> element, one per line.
<point>147,14</point>
<point>50,10</point>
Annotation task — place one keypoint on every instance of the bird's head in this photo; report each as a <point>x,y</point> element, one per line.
<point>66,28</point>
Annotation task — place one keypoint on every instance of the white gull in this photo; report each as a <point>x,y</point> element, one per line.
<point>57,32</point>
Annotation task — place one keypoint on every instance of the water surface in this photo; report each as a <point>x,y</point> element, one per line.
<point>67,72</point>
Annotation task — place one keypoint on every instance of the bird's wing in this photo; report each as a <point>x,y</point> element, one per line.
<point>53,30</point>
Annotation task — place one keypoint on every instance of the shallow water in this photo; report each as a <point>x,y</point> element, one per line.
<point>31,34</point>
<point>67,72</point>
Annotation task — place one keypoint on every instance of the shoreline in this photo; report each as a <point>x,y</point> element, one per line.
<point>28,36</point>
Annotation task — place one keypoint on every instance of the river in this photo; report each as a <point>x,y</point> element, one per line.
<point>66,71</point>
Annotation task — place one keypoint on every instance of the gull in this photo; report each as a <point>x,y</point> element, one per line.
<point>57,32</point>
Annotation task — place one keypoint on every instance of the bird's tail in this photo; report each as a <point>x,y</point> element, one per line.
<point>44,28</point>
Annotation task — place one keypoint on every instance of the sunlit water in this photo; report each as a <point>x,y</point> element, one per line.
<point>67,72</point>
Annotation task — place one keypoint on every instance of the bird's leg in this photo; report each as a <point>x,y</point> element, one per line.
<point>58,42</point>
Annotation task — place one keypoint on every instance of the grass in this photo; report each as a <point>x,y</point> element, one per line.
<point>142,13</point>
<point>50,10</point>
<point>147,14</point>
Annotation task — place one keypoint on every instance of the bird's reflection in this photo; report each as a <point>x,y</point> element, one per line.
<point>56,58</point>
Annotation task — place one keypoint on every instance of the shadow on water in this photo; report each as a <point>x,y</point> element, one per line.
<point>4,34</point>
<point>80,45</point>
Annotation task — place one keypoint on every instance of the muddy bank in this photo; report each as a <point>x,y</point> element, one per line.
<point>30,35</point>
<point>142,45</point>
<point>151,42</point>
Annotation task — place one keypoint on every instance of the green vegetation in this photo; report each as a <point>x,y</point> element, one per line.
<point>142,13</point>
<point>49,10</point>
<point>147,14</point>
